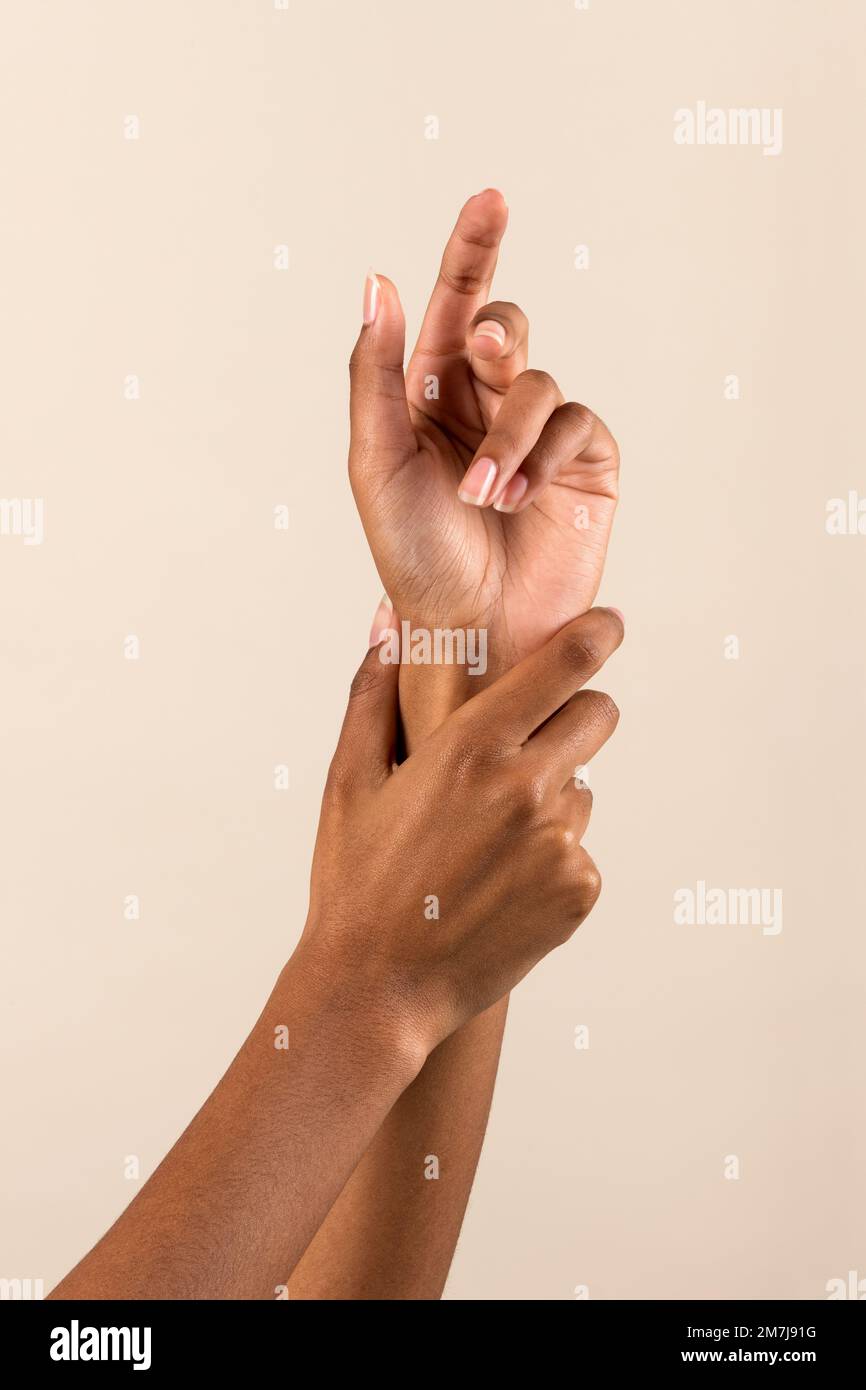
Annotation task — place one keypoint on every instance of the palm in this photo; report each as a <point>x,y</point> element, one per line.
<point>525,574</point>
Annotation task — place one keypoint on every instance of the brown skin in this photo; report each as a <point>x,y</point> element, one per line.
<point>446,562</point>
<point>374,986</point>
<point>504,797</point>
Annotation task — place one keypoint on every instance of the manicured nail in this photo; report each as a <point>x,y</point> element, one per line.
<point>382,621</point>
<point>478,482</point>
<point>489,328</point>
<point>511,493</point>
<point>618,613</point>
<point>372,292</point>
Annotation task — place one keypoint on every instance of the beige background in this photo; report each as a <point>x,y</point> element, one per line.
<point>155,257</point>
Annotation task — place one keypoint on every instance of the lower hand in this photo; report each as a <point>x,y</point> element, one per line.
<point>438,884</point>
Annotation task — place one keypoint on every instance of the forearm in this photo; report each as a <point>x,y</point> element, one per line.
<point>231,1209</point>
<point>393,1231</point>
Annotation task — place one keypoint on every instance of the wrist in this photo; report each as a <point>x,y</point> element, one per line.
<point>441,667</point>
<point>341,1005</point>
<point>428,695</point>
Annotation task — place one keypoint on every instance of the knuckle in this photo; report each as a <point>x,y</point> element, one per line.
<point>543,461</point>
<point>604,711</point>
<point>540,380</point>
<point>490,752</point>
<point>463,280</point>
<point>562,840</point>
<point>389,381</point>
<point>465,755</point>
<point>528,796</point>
<point>481,754</point>
<point>587,886</point>
<point>374,376</point>
<point>579,417</point>
<point>581,649</point>
<point>501,803</point>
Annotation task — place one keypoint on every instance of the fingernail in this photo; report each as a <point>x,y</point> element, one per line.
<point>372,291</point>
<point>489,328</point>
<point>512,493</point>
<point>478,482</point>
<point>382,621</point>
<point>618,613</point>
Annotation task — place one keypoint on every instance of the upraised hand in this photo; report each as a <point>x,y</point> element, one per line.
<point>487,499</point>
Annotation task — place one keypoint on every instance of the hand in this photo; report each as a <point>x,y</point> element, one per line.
<point>438,884</point>
<point>489,504</point>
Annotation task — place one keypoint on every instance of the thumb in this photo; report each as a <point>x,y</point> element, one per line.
<point>382,438</point>
<point>366,751</point>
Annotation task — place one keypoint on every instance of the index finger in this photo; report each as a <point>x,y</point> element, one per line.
<point>465,275</point>
<point>519,702</point>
